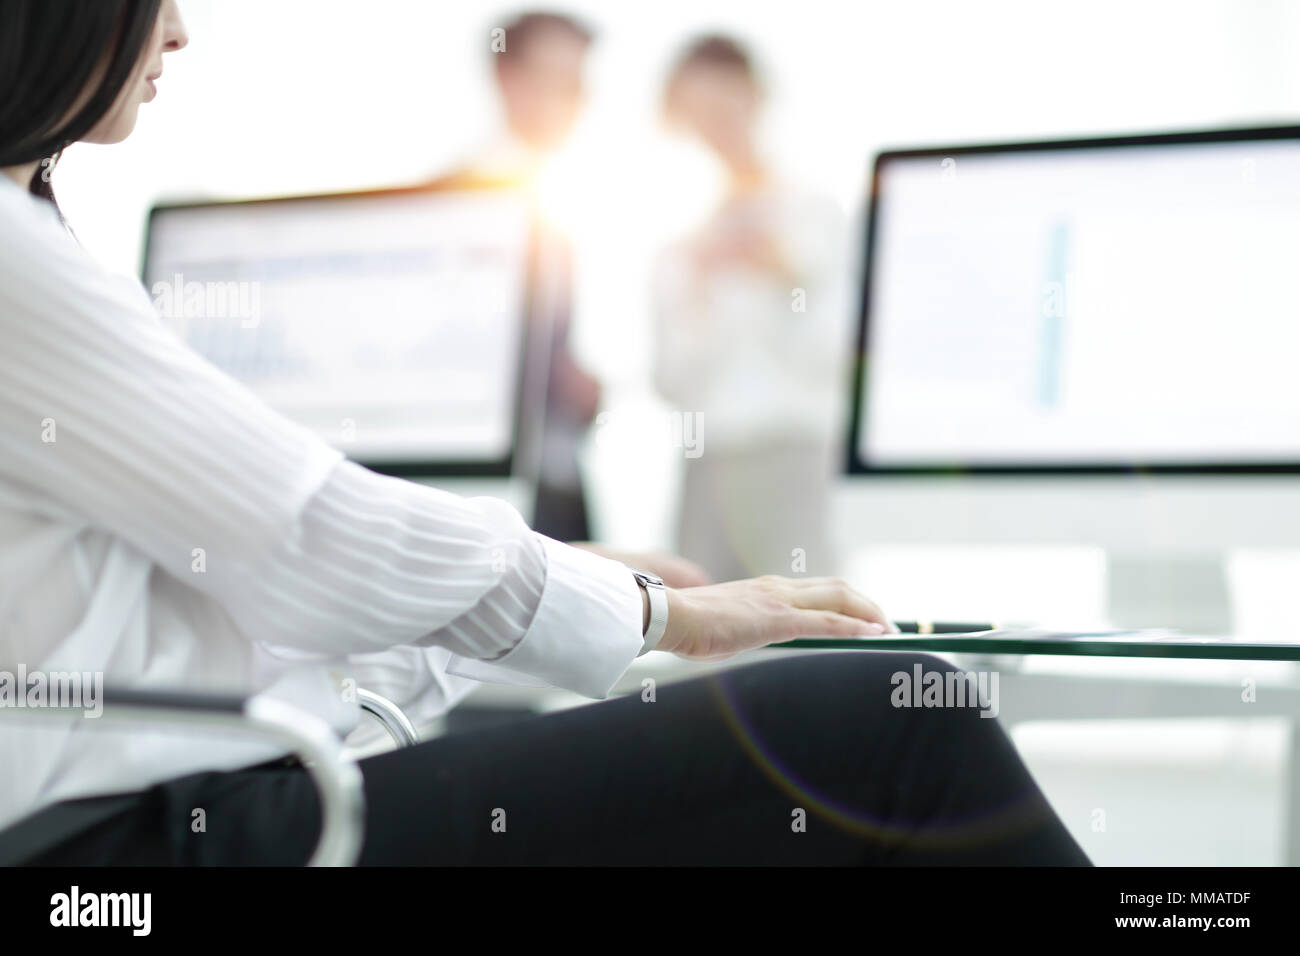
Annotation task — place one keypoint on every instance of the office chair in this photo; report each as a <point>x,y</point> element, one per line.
<point>337,778</point>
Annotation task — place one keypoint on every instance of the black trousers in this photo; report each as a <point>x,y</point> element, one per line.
<point>798,760</point>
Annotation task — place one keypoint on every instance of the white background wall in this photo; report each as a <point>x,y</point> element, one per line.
<point>290,95</point>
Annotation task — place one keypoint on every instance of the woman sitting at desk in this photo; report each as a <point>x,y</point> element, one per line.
<point>123,455</point>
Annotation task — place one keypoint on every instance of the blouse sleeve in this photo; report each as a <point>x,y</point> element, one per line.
<point>106,416</point>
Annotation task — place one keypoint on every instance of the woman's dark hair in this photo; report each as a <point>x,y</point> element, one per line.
<point>50,51</point>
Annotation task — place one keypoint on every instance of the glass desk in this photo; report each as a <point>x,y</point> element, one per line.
<point>1071,644</point>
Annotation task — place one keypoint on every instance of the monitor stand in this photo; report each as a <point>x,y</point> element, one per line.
<point>1187,592</point>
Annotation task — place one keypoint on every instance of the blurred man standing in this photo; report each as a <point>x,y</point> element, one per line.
<point>538,63</point>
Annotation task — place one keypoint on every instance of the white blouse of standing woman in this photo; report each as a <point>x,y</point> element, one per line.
<point>752,315</point>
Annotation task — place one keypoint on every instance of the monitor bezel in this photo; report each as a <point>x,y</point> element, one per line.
<point>498,467</point>
<point>859,464</point>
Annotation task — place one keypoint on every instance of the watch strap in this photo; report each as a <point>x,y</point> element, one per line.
<point>654,589</point>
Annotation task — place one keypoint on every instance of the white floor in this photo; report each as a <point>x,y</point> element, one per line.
<point>1151,793</point>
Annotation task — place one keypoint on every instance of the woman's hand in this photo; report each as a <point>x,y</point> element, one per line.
<point>708,623</point>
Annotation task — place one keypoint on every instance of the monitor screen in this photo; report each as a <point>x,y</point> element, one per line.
<point>390,323</point>
<point>1087,305</point>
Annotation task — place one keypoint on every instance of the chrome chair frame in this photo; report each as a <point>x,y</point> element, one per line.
<point>336,777</point>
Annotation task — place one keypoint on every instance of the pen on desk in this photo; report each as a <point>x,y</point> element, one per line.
<point>941,627</point>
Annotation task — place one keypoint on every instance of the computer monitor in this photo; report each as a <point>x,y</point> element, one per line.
<point>1086,341</point>
<point>393,323</point>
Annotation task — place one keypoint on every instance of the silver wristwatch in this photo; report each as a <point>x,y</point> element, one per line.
<point>654,589</point>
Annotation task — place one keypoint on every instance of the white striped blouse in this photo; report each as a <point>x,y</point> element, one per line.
<point>162,526</point>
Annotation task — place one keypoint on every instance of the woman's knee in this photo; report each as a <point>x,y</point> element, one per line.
<point>853,685</point>
<point>870,688</point>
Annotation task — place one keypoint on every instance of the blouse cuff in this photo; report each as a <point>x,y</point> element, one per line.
<point>585,634</point>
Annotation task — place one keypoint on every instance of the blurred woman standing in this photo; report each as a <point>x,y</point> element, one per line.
<point>752,312</point>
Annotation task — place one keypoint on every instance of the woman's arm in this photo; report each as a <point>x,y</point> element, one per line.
<point>108,419</point>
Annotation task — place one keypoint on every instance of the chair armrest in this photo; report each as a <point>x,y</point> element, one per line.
<point>397,724</point>
<point>337,780</point>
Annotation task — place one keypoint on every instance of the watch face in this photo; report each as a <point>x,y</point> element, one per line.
<point>646,578</point>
